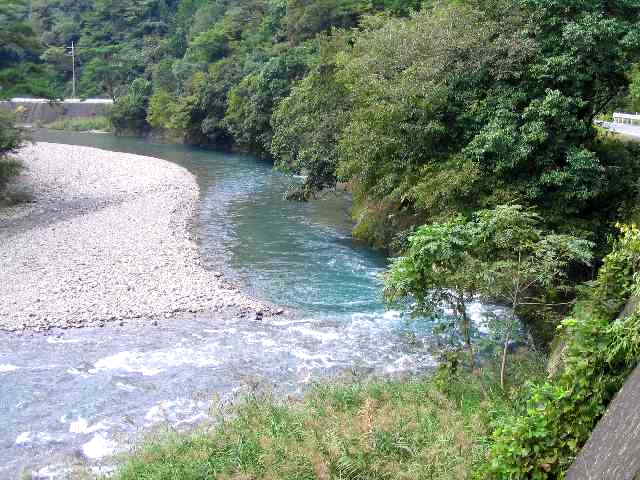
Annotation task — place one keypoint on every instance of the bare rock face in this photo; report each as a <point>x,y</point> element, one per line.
<point>613,451</point>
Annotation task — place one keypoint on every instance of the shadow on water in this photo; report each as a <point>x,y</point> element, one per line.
<point>88,393</point>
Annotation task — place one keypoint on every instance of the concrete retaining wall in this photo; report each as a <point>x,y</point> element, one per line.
<point>39,111</point>
<point>613,450</point>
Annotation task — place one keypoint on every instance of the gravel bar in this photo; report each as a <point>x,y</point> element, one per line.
<point>107,238</point>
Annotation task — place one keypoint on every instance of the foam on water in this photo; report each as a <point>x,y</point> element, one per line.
<point>55,340</point>
<point>323,336</point>
<point>104,470</point>
<point>126,387</point>
<point>480,314</point>
<point>81,425</point>
<point>181,410</point>
<point>99,447</point>
<point>24,437</point>
<point>51,472</point>
<point>38,438</point>
<point>285,323</point>
<point>103,387</point>
<point>7,367</point>
<point>76,371</point>
<point>154,363</point>
<point>407,363</point>
<point>314,360</point>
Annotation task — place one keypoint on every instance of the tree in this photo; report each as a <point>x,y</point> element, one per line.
<point>161,109</point>
<point>602,346</point>
<point>210,45</point>
<point>21,72</point>
<point>634,90</point>
<point>412,101</point>
<point>198,114</point>
<point>499,254</point>
<point>253,100</point>
<point>470,105</point>
<point>438,274</point>
<point>11,139</point>
<point>518,260</point>
<point>129,111</point>
<point>107,72</point>
<point>307,124</point>
<point>306,18</point>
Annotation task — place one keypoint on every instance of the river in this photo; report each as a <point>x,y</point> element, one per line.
<point>73,399</point>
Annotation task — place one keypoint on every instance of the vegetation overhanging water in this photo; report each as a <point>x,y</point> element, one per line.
<point>89,392</point>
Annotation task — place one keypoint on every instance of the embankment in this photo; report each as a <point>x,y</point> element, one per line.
<point>41,111</point>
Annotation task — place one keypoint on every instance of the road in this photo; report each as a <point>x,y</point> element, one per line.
<point>630,130</point>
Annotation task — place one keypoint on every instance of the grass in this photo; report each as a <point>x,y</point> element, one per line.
<point>82,124</point>
<point>430,428</point>
<point>10,167</point>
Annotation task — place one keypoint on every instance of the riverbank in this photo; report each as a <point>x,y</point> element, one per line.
<point>95,124</point>
<point>106,239</point>
<point>437,427</point>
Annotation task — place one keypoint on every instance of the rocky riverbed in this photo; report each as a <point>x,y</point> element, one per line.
<point>101,223</point>
<point>105,239</point>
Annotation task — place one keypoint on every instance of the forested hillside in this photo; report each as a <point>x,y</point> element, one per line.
<point>465,130</point>
<point>424,109</point>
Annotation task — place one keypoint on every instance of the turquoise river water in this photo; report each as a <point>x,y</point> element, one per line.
<point>89,394</point>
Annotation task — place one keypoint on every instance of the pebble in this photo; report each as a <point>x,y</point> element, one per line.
<point>107,239</point>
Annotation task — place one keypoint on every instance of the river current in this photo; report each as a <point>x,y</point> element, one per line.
<point>74,399</point>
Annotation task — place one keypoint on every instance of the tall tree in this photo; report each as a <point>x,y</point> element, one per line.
<point>21,72</point>
<point>499,255</point>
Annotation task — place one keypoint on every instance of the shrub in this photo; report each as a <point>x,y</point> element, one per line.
<point>11,138</point>
<point>541,441</point>
<point>82,124</point>
<point>129,112</point>
<point>9,167</point>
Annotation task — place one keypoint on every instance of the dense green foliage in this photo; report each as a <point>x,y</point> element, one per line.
<point>128,113</point>
<point>436,428</point>
<point>116,40</point>
<point>81,124</point>
<point>21,71</point>
<point>602,348</point>
<point>499,255</point>
<point>18,46</point>
<point>462,107</point>
<point>425,110</point>
<point>220,67</point>
<point>11,138</point>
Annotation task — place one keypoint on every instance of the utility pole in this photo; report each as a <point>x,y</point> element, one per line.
<point>72,54</point>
